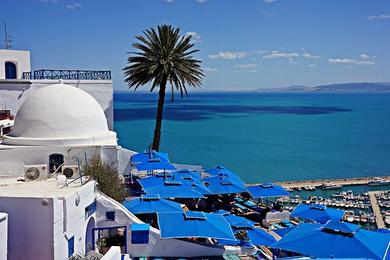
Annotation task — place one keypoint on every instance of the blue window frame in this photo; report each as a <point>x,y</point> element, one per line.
<point>140,233</point>
<point>70,246</point>
<point>10,70</point>
<point>110,215</point>
<point>90,209</point>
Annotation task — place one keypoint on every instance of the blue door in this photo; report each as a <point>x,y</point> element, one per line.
<point>10,70</point>
<point>70,246</point>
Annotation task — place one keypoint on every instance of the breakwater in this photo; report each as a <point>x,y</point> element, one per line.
<point>342,181</point>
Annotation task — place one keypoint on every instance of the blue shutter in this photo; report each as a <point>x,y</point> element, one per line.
<point>140,233</point>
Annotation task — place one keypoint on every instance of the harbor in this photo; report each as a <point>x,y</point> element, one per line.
<point>335,183</point>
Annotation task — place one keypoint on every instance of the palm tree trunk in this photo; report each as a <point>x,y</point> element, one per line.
<point>159,116</point>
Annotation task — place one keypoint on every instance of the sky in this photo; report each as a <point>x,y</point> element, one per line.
<point>243,44</point>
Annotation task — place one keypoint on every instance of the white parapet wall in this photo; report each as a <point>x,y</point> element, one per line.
<point>3,235</point>
<point>14,92</point>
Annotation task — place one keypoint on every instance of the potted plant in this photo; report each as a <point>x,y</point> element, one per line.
<point>245,241</point>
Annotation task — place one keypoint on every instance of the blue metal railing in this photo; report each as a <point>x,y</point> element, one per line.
<point>68,74</point>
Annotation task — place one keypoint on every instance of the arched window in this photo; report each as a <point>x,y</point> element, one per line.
<point>10,70</point>
<point>56,160</point>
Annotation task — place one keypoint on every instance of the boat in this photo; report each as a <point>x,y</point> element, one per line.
<point>6,121</point>
<point>378,182</point>
<point>330,186</point>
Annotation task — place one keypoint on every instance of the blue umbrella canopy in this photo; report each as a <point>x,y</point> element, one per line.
<point>222,172</point>
<point>259,237</point>
<point>151,204</point>
<point>236,221</point>
<point>174,191</point>
<point>194,224</point>
<point>154,164</point>
<point>166,184</point>
<point>335,239</point>
<point>225,185</point>
<point>149,154</point>
<point>151,160</point>
<point>316,212</point>
<point>267,190</point>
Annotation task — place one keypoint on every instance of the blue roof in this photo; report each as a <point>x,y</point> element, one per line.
<point>173,185</point>
<point>222,172</point>
<point>267,190</point>
<point>194,224</point>
<point>151,204</point>
<point>315,212</point>
<point>225,185</point>
<point>318,240</point>
<point>236,221</point>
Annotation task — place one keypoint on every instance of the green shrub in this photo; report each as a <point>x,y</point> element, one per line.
<point>107,177</point>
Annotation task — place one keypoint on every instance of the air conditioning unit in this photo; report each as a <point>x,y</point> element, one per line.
<point>35,172</point>
<point>71,171</point>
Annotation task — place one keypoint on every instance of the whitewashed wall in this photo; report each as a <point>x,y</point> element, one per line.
<point>13,93</point>
<point>19,57</point>
<point>3,235</point>
<point>30,228</point>
<point>70,221</point>
<point>12,161</point>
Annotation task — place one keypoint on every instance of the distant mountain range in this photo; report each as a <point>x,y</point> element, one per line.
<point>362,87</point>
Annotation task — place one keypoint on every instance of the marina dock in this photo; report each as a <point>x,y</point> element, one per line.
<point>375,208</point>
<point>343,182</point>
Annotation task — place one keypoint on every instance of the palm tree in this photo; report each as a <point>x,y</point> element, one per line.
<point>163,56</point>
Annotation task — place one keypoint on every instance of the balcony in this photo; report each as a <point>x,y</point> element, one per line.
<point>67,74</point>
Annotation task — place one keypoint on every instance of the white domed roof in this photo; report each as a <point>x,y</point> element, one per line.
<point>59,112</point>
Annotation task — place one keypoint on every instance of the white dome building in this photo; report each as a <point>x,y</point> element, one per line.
<point>60,115</point>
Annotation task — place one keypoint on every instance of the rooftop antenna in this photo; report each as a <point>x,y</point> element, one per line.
<point>8,39</point>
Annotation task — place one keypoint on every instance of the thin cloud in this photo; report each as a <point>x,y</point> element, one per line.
<point>201,1</point>
<point>350,61</point>
<point>49,1</point>
<point>312,65</point>
<point>310,56</point>
<point>228,55</point>
<point>74,6</point>
<point>365,56</point>
<point>245,66</point>
<point>379,17</point>
<point>291,61</point>
<point>195,37</point>
<point>208,69</point>
<point>278,54</point>
<point>270,1</point>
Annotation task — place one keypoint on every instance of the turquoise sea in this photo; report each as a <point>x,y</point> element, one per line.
<point>266,137</point>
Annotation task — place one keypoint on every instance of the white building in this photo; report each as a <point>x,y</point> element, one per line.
<point>3,235</point>
<point>13,63</point>
<point>56,127</point>
<point>18,81</point>
<point>51,216</point>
